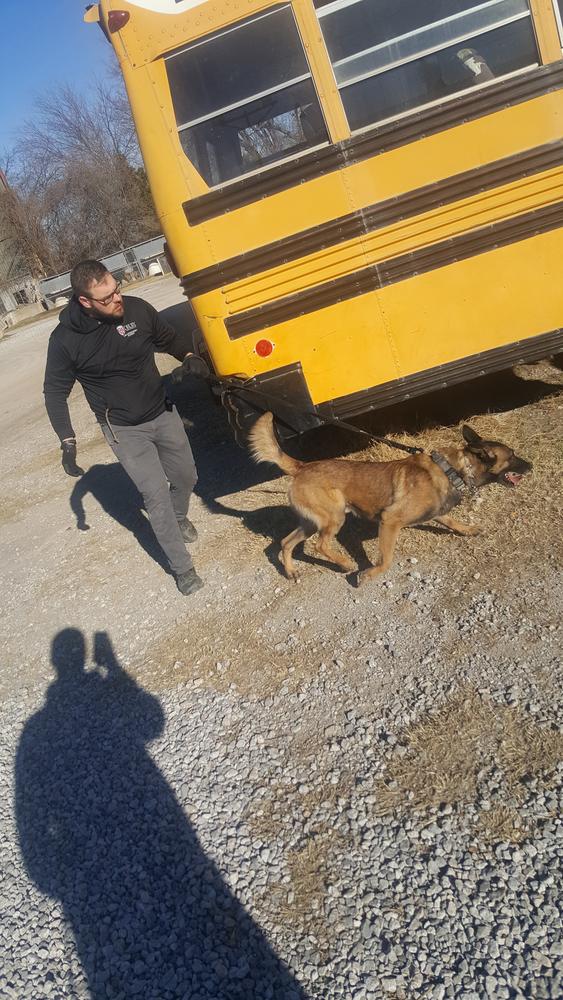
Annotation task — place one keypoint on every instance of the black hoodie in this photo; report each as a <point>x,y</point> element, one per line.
<point>114,362</point>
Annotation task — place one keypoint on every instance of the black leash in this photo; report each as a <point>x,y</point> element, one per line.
<point>232,385</point>
<point>228,385</point>
<point>457,483</point>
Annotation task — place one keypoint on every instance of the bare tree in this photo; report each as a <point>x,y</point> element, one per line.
<point>78,188</point>
<point>22,223</point>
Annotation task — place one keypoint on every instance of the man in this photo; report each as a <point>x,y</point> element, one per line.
<point>106,341</point>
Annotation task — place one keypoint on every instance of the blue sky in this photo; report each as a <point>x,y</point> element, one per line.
<point>45,42</point>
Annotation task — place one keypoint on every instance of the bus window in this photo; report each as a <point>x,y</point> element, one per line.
<point>390,56</point>
<point>559,16</point>
<point>244,97</point>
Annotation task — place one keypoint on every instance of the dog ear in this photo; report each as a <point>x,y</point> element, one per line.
<point>470,437</point>
<point>477,446</point>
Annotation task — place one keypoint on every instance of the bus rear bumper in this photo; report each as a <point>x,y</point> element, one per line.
<point>283,391</point>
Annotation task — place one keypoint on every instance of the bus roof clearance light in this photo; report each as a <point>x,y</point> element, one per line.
<point>264,348</point>
<point>117,19</point>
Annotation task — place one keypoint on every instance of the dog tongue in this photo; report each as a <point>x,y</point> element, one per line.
<point>513,477</point>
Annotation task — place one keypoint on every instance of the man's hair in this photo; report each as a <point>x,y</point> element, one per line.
<point>84,274</point>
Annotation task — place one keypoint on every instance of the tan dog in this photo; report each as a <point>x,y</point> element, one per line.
<point>408,491</point>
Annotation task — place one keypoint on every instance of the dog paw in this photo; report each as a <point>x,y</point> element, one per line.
<point>292,575</point>
<point>473,530</point>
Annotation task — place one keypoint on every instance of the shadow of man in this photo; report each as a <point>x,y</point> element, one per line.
<point>119,497</point>
<point>102,832</point>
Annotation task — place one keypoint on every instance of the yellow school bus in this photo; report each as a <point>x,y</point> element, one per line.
<point>363,198</point>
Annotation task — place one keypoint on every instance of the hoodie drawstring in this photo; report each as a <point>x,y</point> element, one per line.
<point>113,434</point>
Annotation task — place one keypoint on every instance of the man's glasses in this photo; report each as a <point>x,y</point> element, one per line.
<point>107,298</point>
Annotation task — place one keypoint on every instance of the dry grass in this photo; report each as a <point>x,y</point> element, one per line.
<point>19,501</point>
<point>503,824</point>
<point>309,868</point>
<point>447,750</point>
<point>51,458</point>
<point>299,903</point>
<point>283,799</point>
<point>445,754</point>
<point>254,669</point>
<point>526,748</point>
<point>14,506</point>
<point>308,871</point>
<point>309,865</point>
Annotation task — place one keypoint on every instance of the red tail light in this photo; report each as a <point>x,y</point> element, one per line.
<point>117,19</point>
<point>264,348</point>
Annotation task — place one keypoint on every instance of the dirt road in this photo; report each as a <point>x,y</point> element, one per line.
<point>481,616</point>
<point>82,553</point>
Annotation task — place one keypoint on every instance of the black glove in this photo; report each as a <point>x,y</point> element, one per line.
<point>191,365</point>
<point>68,449</point>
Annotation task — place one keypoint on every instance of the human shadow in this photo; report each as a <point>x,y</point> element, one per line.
<point>102,832</point>
<point>118,496</point>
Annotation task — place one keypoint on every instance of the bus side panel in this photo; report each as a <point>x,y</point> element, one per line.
<point>331,345</point>
<point>426,160</point>
<point>474,305</point>
<point>463,147</point>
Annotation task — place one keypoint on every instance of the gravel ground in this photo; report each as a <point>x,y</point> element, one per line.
<point>270,790</point>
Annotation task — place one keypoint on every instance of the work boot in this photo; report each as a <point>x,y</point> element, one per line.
<point>189,582</point>
<point>189,533</point>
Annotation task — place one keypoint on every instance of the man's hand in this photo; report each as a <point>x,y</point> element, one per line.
<point>68,448</point>
<point>191,365</point>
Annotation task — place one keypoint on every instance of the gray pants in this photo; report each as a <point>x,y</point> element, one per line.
<point>157,456</point>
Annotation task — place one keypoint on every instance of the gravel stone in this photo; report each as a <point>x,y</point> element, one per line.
<point>220,798</point>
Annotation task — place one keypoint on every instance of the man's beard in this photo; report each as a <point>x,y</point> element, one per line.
<point>115,317</point>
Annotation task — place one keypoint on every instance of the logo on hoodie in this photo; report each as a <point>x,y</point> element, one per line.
<point>127,329</point>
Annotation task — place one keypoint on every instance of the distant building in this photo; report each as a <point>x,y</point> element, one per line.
<point>135,263</point>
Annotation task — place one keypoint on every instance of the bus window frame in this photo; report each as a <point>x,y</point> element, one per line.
<point>559,19</point>
<point>336,5</point>
<point>429,50</point>
<point>311,76</point>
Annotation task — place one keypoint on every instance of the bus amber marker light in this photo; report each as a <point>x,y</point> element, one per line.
<point>264,348</point>
<point>117,19</point>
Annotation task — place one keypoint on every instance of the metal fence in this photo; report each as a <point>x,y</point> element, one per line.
<point>129,264</point>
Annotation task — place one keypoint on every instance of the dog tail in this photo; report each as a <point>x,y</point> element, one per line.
<point>265,448</point>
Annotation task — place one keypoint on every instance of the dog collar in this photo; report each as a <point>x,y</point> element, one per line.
<point>454,477</point>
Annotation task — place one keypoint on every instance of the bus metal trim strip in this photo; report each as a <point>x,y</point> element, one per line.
<point>375,140</point>
<point>394,269</point>
<point>374,217</point>
<point>453,372</point>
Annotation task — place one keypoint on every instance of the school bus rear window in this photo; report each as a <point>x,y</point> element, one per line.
<point>559,17</point>
<point>244,97</point>
<point>391,56</point>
